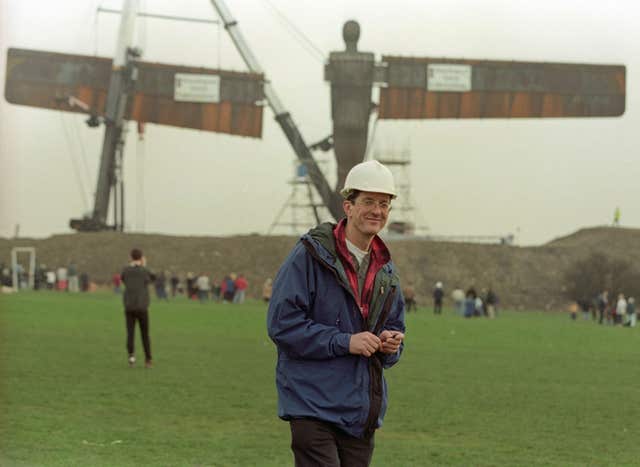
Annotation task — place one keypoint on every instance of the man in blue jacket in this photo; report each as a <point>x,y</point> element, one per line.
<point>336,316</point>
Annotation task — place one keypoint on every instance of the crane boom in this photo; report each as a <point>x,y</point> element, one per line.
<point>109,176</point>
<point>330,198</point>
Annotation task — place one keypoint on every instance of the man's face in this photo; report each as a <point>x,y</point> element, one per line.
<point>368,213</point>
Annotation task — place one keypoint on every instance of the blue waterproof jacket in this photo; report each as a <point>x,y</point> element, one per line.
<point>312,315</point>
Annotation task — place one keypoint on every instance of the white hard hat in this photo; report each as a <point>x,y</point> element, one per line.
<point>439,285</point>
<point>369,176</point>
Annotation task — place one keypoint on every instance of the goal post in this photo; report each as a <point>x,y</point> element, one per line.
<point>31,251</point>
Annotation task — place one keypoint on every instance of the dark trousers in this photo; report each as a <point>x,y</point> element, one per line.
<point>316,443</point>
<point>142,317</point>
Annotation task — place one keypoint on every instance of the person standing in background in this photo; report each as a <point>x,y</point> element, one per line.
<point>62,276</point>
<point>409,293</point>
<point>616,217</point>
<point>438,295</point>
<point>136,279</point>
<point>603,302</point>
<point>229,288</point>
<point>631,312</point>
<point>84,282</point>
<point>491,301</point>
<point>74,285</point>
<point>204,287</point>
<point>116,280</point>
<point>621,310</point>
<point>458,300</point>
<point>161,286</point>
<point>174,281</point>
<point>51,279</point>
<point>241,284</point>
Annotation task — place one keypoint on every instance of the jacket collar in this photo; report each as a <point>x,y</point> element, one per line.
<point>323,235</point>
<point>378,249</point>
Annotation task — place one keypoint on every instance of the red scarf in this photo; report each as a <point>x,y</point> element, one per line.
<point>379,256</point>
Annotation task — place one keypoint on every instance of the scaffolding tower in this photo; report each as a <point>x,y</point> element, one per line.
<point>403,216</point>
<point>304,208</point>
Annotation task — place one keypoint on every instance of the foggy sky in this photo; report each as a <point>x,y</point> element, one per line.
<point>538,179</point>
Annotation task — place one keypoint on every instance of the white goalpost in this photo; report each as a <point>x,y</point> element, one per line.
<point>31,251</point>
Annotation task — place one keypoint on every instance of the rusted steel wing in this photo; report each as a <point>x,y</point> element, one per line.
<point>230,104</point>
<point>420,88</point>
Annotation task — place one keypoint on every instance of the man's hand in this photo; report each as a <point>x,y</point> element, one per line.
<point>390,341</point>
<point>364,343</point>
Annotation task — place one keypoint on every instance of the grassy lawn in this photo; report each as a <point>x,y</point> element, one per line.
<point>525,389</point>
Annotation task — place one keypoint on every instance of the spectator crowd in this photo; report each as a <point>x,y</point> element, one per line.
<point>231,288</point>
<point>606,309</point>
<point>467,304</point>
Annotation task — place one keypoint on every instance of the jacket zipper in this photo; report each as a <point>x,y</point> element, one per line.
<point>384,313</point>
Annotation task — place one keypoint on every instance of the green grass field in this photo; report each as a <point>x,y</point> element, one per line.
<point>526,389</point>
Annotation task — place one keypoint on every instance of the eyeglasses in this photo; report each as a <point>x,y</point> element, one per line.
<point>370,203</point>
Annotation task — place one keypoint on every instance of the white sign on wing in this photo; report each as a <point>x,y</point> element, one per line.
<point>448,77</point>
<point>190,87</point>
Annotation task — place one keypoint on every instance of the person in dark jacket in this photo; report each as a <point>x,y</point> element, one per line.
<point>175,282</point>
<point>160,284</point>
<point>136,279</point>
<point>491,301</point>
<point>470,303</point>
<point>230,288</point>
<point>603,301</point>
<point>438,296</point>
<point>336,315</point>
<point>84,282</point>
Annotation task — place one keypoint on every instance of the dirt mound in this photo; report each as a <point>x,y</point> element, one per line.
<point>530,277</point>
<point>613,240</point>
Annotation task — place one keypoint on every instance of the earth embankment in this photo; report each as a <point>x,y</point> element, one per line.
<point>523,277</point>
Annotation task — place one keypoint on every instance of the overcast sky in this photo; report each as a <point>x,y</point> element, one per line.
<point>538,179</point>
